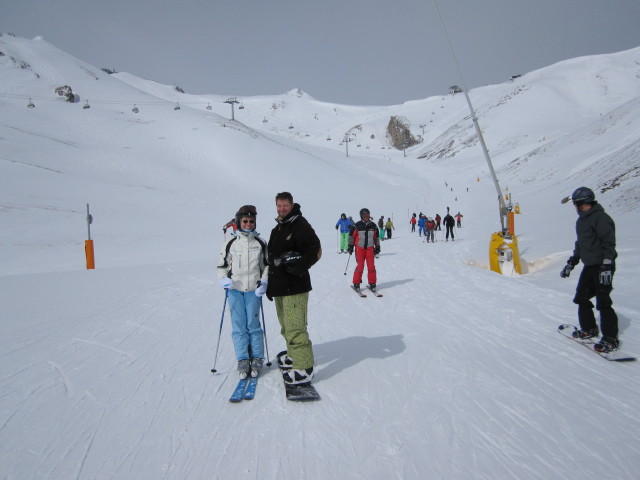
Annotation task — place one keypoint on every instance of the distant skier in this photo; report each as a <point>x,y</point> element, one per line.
<point>242,271</point>
<point>344,225</point>
<point>230,224</point>
<point>422,225</point>
<point>364,239</point>
<point>438,220</point>
<point>413,222</point>
<point>431,226</point>
<point>381,227</point>
<point>596,247</point>
<point>388,227</point>
<point>449,223</point>
<point>459,218</point>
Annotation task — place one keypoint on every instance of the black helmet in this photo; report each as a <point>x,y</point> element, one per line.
<point>364,211</point>
<point>245,211</point>
<point>583,195</point>
<point>343,215</point>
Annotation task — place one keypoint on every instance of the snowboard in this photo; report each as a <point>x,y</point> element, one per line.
<point>301,392</point>
<point>567,329</point>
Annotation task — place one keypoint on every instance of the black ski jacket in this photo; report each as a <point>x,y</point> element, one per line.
<point>596,236</point>
<point>293,233</point>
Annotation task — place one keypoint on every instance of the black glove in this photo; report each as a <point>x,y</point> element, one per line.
<point>291,261</point>
<point>350,249</point>
<point>336,227</point>
<point>606,274</point>
<point>571,263</point>
<point>566,270</point>
<point>376,250</point>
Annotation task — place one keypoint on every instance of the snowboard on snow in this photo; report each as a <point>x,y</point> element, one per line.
<point>567,329</point>
<point>301,392</point>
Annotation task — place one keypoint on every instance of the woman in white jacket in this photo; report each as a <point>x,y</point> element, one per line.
<point>242,271</point>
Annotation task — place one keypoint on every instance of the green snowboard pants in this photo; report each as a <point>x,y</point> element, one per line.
<point>292,315</point>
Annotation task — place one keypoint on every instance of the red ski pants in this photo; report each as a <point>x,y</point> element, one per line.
<point>365,255</point>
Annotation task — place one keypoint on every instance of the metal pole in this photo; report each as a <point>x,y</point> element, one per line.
<point>474,118</point>
<point>89,222</point>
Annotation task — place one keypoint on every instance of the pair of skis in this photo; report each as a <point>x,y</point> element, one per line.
<point>363,295</point>
<point>245,390</point>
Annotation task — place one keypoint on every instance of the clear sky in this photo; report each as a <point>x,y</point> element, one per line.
<point>359,52</point>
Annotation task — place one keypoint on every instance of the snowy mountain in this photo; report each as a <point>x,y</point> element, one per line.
<point>456,373</point>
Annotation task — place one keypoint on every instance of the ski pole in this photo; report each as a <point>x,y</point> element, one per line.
<point>264,333</point>
<point>215,359</point>
<point>345,268</point>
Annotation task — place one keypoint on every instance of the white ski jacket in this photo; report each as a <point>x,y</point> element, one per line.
<point>243,258</point>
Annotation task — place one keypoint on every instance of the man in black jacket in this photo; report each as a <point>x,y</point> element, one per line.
<point>596,247</point>
<point>292,249</point>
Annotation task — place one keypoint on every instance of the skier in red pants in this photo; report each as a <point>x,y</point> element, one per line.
<point>364,238</point>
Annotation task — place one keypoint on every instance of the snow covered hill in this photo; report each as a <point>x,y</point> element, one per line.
<point>457,373</point>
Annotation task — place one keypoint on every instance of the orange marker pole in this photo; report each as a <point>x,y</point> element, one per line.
<point>88,244</point>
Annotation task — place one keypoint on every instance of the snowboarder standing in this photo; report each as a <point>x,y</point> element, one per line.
<point>242,271</point>
<point>449,223</point>
<point>596,247</point>
<point>364,239</point>
<point>293,249</point>
<point>344,226</point>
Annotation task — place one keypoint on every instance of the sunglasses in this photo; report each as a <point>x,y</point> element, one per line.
<point>246,220</point>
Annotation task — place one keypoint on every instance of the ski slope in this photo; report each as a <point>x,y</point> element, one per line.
<point>456,373</point>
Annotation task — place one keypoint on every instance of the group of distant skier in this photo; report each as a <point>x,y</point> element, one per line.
<point>249,268</point>
<point>428,225</point>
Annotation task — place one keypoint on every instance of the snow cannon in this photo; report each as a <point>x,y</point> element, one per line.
<point>504,253</point>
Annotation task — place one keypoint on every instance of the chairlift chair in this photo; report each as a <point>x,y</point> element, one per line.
<point>135,109</point>
<point>86,105</point>
<point>30,104</point>
<point>241,106</point>
<point>177,107</point>
<point>209,106</point>
<point>291,126</point>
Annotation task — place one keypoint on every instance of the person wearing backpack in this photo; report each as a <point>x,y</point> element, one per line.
<point>431,226</point>
<point>242,272</point>
<point>449,223</point>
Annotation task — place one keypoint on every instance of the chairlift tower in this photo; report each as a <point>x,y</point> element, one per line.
<point>346,141</point>
<point>232,101</point>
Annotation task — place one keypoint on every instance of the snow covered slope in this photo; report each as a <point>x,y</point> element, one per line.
<point>457,373</point>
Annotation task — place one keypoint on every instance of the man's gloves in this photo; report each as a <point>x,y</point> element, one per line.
<point>606,273</point>
<point>376,249</point>
<point>350,249</point>
<point>225,282</point>
<point>262,288</point>
<point>571,263</point>
<point>291,262</point>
